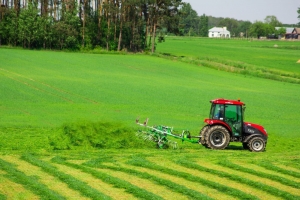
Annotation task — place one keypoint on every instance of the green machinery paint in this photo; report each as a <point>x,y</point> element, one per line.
<point>160,133</point>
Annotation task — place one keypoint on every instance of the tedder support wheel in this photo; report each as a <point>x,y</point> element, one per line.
<point>245,145</point>
<point>203,132</point>
<point>217,137</point>
<point>257,144</point>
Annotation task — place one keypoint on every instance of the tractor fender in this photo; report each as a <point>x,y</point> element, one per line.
<point>214,122</point>
<point>247,138</point>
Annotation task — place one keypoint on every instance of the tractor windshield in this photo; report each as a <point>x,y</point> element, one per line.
<point>217,111</point>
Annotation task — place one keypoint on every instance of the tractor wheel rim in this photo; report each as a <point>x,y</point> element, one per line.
<point>217,139</point>
<point>257,145</point>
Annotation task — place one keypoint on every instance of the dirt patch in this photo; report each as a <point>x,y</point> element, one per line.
<point>298,61</point>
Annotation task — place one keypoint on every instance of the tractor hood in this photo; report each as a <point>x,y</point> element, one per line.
<point>252,128</point>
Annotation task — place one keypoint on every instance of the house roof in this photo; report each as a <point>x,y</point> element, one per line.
<point>218,29</point>
<point>296,30</point>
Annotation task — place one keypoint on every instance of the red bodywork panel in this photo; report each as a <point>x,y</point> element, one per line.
<point>225,101</point>
<point>215,121</point>
<point>257,126</point>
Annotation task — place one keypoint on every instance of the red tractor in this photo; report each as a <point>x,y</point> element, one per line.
<point>226,124</point>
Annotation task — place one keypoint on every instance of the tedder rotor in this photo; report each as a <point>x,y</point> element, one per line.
<point>225,124</point>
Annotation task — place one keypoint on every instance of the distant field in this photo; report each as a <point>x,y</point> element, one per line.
<point>277,54</point>
<point>43,90</point>
<point>270,59</point>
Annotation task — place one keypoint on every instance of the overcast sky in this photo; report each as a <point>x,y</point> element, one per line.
<point>252,10</point>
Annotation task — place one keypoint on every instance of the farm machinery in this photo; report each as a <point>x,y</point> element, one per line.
<point>225,124</point>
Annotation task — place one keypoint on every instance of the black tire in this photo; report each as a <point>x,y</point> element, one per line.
<point>217,137</point>
<point>203,132</point>
<point>257,144</point>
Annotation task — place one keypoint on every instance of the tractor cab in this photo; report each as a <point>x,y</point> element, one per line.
<point>228,113</point>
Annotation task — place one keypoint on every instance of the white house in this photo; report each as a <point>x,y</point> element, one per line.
<point>218,32</point>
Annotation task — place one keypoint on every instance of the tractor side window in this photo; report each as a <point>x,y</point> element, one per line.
<point>231,114</point>
<point>233,117</point>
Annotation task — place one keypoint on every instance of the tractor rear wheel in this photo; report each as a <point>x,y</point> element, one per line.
<point>257,144</point>
<point>203,132</point>
<point>217,137</point>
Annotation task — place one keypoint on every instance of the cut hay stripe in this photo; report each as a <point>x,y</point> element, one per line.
<point>52,182</point>
<point>220,187</point>
<point>116,182</point>
<point>28,182</point>
<point>167,183</point>
<point>72,182</point>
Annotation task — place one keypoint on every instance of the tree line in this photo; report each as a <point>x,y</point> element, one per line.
<point>192,25</point>
<point>129,25</point>
<point>119,25</point>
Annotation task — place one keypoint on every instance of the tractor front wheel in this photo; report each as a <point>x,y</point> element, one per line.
<point>257,144</point>
<point>217,137</point>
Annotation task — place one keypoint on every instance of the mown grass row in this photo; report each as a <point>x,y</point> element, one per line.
<point>116,182</point>
<point>141,162</point>
<point>272,177</point>
<point>272,167</point>
<point>269,189</point>
<point>96,163</point>
<point>72,182</point>
<point>240,68</point>
<point>28,182</point>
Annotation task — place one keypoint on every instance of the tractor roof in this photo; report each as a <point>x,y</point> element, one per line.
<point>226,101</point>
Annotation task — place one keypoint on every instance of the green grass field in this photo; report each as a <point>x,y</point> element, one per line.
<point>46,94</point>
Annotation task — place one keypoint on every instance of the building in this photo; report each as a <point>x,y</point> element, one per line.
<point>218,32</point>
<point>294,34</point>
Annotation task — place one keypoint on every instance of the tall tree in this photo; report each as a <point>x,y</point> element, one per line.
<point>28,25</point>
<point>9,28</point>
<point>189,20</point>
<point>231,24</point>
<point>273,21</point>
<point>260,29</point>
<point>203,29</point>
<point>158,11</point>
<point>244,28</point>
